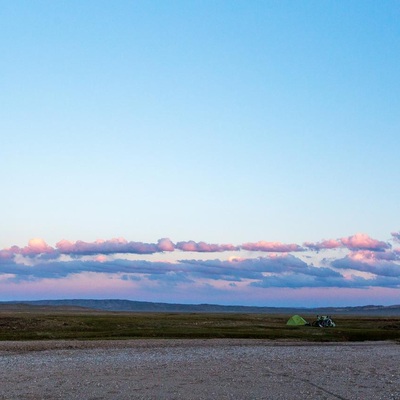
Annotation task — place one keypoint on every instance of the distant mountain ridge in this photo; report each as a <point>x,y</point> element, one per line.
<point>143,306</point>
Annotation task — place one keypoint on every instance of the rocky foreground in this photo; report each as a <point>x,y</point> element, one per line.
<point>199,369</point>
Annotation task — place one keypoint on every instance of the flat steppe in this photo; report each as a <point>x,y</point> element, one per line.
<point>70,353</point>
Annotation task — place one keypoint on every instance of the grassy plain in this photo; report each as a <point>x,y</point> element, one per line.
<point>46,323</point>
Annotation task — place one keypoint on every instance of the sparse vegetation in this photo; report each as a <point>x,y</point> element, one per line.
<point>47,324</point>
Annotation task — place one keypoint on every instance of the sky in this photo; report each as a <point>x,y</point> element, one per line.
<point>222,152</point>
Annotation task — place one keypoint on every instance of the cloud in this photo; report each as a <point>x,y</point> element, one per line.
<point>264,270</point>
<point>206,269</point>
<point>38,248</point>
<point>203,247</point>
<point>113,246</point>
<point>396,236</point>
<point>165,244</point>
<point>380,264</point>
<point>6,256</point>
<point>122,246</point>
<point>60,269</point>
<point>298,282</point>
<point>278,267</point>
<point>359,241</point>
<point>271,247</point>
<point>35,247</point>
<point>274,270</point>
<point>325,244</point>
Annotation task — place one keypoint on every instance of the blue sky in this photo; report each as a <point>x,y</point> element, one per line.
<point>224,122</point>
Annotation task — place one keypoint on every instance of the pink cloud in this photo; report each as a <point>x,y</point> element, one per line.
<point>325,244</point>
<point>100,258</point>
<point>271,247</point>
<point>165,244</point>
<point>361,241</point>
<point>382,264</point>
<point>35,247</point>
<point>372,256</point>
<point>203,247</point>
<point>38,247</point>
<point>6,255</point>
<point>100,246</point>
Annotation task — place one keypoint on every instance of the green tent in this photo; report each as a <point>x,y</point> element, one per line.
<point>296,320</point>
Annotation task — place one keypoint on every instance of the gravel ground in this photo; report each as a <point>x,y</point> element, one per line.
<point>198,369</point>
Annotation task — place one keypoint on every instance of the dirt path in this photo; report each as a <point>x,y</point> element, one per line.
<point>198,369</point>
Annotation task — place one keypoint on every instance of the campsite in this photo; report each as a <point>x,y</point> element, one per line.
<point>322,321</point>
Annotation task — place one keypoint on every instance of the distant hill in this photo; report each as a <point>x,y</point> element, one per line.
<point>10,308</point>
<point>142,306</point>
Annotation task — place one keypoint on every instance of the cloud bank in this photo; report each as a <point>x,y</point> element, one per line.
<point>361,262</point>
<point>359,241</point>
<point>38,246</point>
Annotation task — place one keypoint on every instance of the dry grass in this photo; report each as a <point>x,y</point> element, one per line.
<point>60,323</point>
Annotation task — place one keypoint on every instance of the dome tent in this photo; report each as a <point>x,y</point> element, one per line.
<point>296,320</point>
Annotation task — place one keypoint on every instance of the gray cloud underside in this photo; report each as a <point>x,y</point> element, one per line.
<point>396,236</point>
<point>299,281</point>
<point>380,267</point>
<point>286,271</point>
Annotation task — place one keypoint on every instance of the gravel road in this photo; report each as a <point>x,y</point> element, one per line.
<point>198,369</point>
